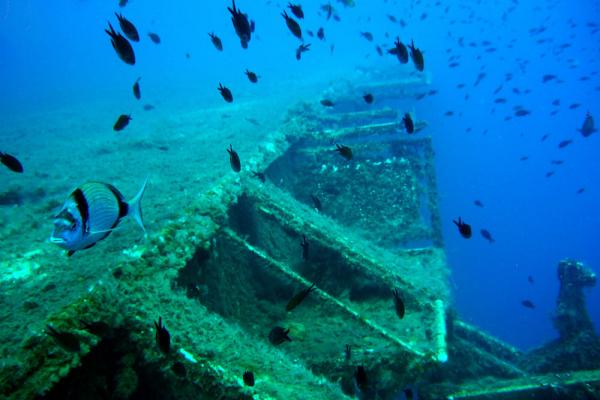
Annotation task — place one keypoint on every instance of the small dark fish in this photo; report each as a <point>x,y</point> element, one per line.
<point>478,203</point>
<point>121,46</point>
<point>378,50</point>
<point>216,41</point>
<point>279,335</point>
<point>154,37</point>
<point>367,35</point>
<point>417,57</point>
<point>530,279</point>
<point>316,202</point>
<point>296,9</point>
<point>588,126</point>
<point>122,122</point>
<point>226,93</point>
<point>303,48</point>
<point>179,369</point>
<point>348,352</point>
<point>409,125</point>
<point>528,304</point>
<point>248,378</point>
<point>398,304</point>
<point>368,98</point>
<point>344,151</point>
<point>234,159</point>
<point>524,158</point>
<point>11,162</point>
<point>327,103</point>
<point>556,162</point>
<point>574,106</point>
<point>522,112</point>
<point>544,137</point>
<point>148,107</point>
<point>243,27</point>
<point>66,340</point>
<point>321,34</point>
<point>96,328</point>
<point>500,100</point>
<point>463,228</point>
<point>549,174</point>
<point>400,51</point>
<point>360,378</point>
<point>122,3</point>
<point>305,247</point>
<point>556,102</point>
<point>564,143</point>
<point>580,190</point>
<point>487,235</point>
<point>259,175</point>
<point>299,297</point>
<point>292,25</point>
<point>163,337</point>
<point>136,89</point>
<point>548,77</point>
<point>252,121</point>
<point>252,77</point>
<point>128,28</point>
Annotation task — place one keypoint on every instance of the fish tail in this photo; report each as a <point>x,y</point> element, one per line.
<point>135,206</point>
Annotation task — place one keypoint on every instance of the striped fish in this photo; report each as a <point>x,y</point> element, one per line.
<point>91,213</point>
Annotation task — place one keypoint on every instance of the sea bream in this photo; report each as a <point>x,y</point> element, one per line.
<point>91,213</point>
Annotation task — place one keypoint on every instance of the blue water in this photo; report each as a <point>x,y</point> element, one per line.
<point>56,55</point>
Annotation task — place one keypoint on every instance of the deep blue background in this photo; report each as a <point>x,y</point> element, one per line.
<point>54,54</point>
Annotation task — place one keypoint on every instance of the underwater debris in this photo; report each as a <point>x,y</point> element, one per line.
<point>344,151</point>
<point>65,340</point>
<point>234,159</point>
<point>122,122</point>
<point>128,28</point>
<point>216,41</point>
<point>163,337</point>
<point>279,335</point>
<point>463,228</point>
<point>299,297</point>
<point>11,162</point>
<point>226,93</point>
<point>121,46</point>
<point>398,304</point>
<point>248,378</point>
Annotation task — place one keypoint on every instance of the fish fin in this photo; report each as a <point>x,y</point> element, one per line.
<point>135,206</point>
